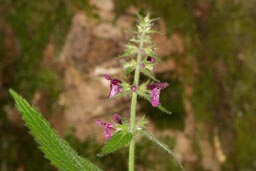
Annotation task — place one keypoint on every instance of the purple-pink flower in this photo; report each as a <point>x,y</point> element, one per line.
<point>155,92</point>
<point>109,126</point>
<point>115,86</point>
<point>151,59</point>
<point>133,88</point>
<point>117,118</point>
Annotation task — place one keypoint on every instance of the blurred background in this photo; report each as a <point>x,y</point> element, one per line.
<point>55,52</point>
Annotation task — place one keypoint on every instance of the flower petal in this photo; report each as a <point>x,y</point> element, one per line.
<point>114,90</point>
<point>107,77</point>
<point>151,59</point>
<point>163,85</point>
<point>115,81</point>
<point>109,125</point>
<point>98,122</point>
<point>117,118</point>
<point>155,94</point>
<point>107,133</point>
<point>158,85</point>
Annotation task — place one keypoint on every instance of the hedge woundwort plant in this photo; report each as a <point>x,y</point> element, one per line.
<point>139,58</point>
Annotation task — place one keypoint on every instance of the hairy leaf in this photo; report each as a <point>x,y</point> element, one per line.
<point>135,40</point>
<point>162,145</point>
<point>149,74</point>
<point>130,50</point>
<point>117,141</point>
<point>140,17</point>
<point>154,19</point>
<point>55,149</point>
<point>154,31</point>
<point>163,109</point>
<point>126,54</point>
<point>129,70</point>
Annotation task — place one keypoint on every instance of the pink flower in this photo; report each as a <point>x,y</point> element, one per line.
<point>151,59</point>
<point>133,88</point>
<point>115,86</point>
<point>117,118</point>
<point>109,126</point>
<point>155,92</point>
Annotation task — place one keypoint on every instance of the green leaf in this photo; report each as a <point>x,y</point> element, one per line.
<point>163,109</point>
<point>129,70</point>
<point>140,17</point>
<point>143,86</point>
<point>149,74</point>
<point>147,39</point>
<point>117,141</point>
<point>126,54</point>
<point>154,19</point>
<point>152,138</point>
<point>130,50</point>
<point>160,107</point>
<point>55,149</point>
<point>134,40</point>
<point>154,31</point>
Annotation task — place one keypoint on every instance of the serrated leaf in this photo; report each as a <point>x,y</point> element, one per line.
<point>117,141</point>
<point>152,138</point>
<point>160,107</point>
<point>129,70</point>
<point>55,149</point>
<point>149,74</point>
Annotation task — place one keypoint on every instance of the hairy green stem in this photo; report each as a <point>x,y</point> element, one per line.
<point>133,106</point>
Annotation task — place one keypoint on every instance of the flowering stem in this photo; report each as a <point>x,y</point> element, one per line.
<point>133,105</point>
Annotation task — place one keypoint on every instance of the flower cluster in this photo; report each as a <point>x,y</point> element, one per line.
<point>143,48</point>
<point>155,88</point>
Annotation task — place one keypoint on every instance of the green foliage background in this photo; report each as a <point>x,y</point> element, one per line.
<point>223,96</point>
